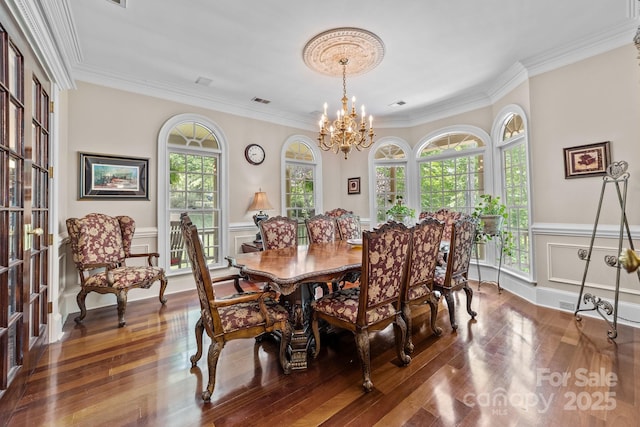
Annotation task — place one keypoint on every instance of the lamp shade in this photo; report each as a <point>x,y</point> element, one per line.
<point>260,202</point>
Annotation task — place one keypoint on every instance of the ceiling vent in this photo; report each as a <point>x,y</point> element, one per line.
<point>397,104</point>
<point>203,81</point>
<point>260,100</point>
<point>122,3</point>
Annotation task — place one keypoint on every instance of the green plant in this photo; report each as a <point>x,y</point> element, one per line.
<point>400,211</point>
<point>489,205</point>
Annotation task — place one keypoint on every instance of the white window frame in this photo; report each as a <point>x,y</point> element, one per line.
<point>163,188</point>
<point>499,147</point>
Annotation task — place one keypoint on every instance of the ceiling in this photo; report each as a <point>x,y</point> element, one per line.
<point>439,55</point>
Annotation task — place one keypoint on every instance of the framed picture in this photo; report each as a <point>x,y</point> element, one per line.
<point>113,177</point>
<point>353,185</point>
<point>587,160</point>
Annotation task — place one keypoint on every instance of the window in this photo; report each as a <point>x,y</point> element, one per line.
<point>452,164</point>
<point>191,170</point>
<point>301,178</point>
<point>390,175</point>
<point>512,150</point>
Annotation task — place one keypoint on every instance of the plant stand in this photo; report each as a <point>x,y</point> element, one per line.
<point>616,174</point>
<point>500,245</point>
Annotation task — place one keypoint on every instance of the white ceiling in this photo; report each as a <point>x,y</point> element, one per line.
<point>440,55</point>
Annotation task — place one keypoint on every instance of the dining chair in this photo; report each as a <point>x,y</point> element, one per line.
<point>101,246</point>
<point>454,275</point>
<point>248,315</point>
<point>448,217</point>
<point>376,302</point>
<point>334,213</point>
<point>279,232</point>
<point>320,229</point>
<point>349,227</point>
<point>418,289</point>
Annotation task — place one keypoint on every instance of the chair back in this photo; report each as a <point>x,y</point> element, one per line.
<point>279,232</point>
<point>348,226</point>
<point>201,274</point>
<point>100,239</point>
<point>335,213</point>
<point>425,245</point>
<point>321,229</point>
<point>445,215</point>
<point>384,263</point>
<point>176,243</point>
<point>461,250</point>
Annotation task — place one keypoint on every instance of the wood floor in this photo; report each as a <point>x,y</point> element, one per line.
<point>516,365</point>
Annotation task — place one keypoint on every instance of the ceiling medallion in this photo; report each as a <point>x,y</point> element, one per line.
<point>323,52</point>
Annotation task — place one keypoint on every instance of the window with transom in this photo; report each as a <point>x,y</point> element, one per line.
<point>390,180</point>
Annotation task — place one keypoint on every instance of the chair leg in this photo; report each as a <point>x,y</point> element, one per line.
<point>316,334</point>
<point>406,313</point>
<point>285,341</point>
<point>362,344</point>
<point>199,331</point>
<point>212,362</point>
<point>469,293</point>
<point>433,305</point>
<point>451,306</point>
<point>163,287</point>
<point>81,304</point>
<point>122,306</point>
<point>400,331</point>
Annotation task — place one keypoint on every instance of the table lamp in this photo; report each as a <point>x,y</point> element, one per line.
<point>260,203</point>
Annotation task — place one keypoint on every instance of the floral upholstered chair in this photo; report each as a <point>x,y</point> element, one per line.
<point>454,275</point>
<point>100,245</point>
<point>448,217</point>
<point>376,303</point>
<point>334,213</point>
<point>247,315</point>
<point>349,226</point>
<point>279,232</point>
<point>425,246</point>
<point>321,229</point>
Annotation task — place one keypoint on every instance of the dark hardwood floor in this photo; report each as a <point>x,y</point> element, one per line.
<point>516,365</point>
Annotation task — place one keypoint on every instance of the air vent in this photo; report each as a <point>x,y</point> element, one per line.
<point>122,3</point>
<point>260,100</point>
<point>397,104</point>
<point>204,81</point>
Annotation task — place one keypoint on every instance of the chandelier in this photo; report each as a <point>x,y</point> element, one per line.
<point>347,130</point>
<point>329,53</point>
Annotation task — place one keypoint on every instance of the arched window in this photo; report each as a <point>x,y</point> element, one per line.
<point>389,176</point>
<point>452,167</point>
<point>301,181</point>
<point>510,133</point>
<point>191,178</point>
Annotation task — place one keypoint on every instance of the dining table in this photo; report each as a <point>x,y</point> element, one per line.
<point>286,270</point>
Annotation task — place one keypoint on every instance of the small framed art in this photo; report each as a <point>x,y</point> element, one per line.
<point>353,185</point>
<point>113,177</point>
<point>587,160</point>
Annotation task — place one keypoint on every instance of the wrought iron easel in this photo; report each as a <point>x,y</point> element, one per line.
<point>616,174</point>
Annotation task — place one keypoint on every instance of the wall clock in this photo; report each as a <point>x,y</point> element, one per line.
<point>254,154</point>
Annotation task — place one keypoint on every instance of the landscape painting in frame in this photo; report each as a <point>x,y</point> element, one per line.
<point>587,160</point>
<point>113,177</point>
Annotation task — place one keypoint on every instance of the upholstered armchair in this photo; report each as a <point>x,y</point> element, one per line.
<point>247,315</point>
<point>100,245</point>
<point>454,275</point>
<point>376,303</point>
<point>279,232</point>
<point>425,246</point>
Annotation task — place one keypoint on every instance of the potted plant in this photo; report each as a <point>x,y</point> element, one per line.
<point>490,213</point>
<point>401,213</point>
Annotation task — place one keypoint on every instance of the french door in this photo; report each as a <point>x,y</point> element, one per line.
<point>24,223</point>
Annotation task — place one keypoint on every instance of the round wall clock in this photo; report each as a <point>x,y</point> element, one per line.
<point>254,154</point>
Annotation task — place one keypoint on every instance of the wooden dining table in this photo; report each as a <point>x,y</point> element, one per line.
<point>287,269</point>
